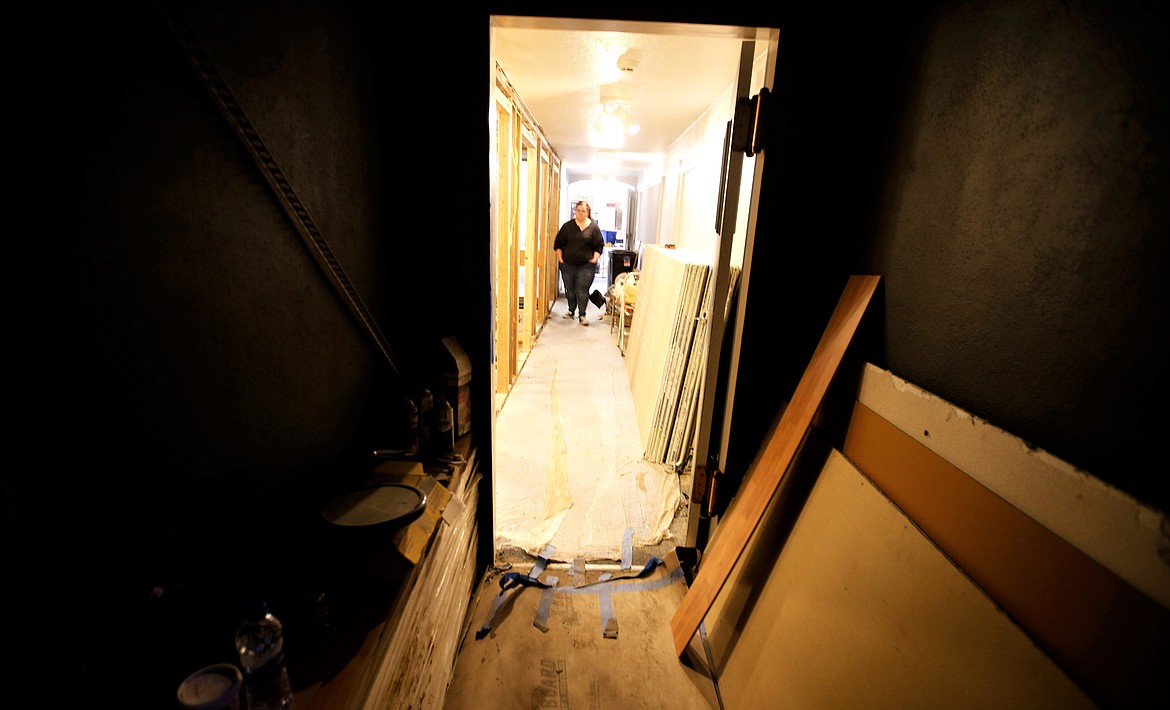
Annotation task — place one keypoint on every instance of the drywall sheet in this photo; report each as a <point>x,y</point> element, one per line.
<point>573,664</point>
<point>682,435</point>
<point>861,610</point>
<point>1105,523</point>
<point>689,390</point>
<point>1112,639</point>
<point>680,349</point>
<point>663,282</point>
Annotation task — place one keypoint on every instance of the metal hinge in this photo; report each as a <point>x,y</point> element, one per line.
<point>703,488</point>
<point>751,115</point>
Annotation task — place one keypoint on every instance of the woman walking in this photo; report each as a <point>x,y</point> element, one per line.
<point>579,244</point>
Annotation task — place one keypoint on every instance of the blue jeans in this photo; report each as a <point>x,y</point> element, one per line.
<point>578,278</point>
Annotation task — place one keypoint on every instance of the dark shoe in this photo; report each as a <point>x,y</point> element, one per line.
<point>584,320</point>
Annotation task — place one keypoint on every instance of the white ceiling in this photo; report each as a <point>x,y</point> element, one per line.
<point>558,67</point>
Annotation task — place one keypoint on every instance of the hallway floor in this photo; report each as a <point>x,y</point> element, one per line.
<point>571,481</point>
<point>577,611</point>
<point>596,638</point>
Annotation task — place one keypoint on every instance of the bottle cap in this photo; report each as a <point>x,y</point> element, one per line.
<point>215,687</point>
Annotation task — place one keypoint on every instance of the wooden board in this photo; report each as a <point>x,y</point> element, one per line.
<point>1061,596</point>
<point>1105,523</point>
<point>858,609</point>
<point>406,651</point>
<point>744,512</point>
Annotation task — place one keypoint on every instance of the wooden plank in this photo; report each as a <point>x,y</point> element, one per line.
<point>1104,522</point>
<point>743,515</point>
<point>359,650</point>
<point>1057,593</point>
<point>860,610</point>
<point>505,328</point>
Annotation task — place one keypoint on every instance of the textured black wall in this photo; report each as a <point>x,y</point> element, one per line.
<point>210,353</point>
<point>1003,166</point>
<point>1023,236</point>
<point>192,384</point>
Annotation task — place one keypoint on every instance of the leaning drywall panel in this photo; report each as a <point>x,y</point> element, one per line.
<point>861,610</point>
<point>1105,523</point>
<point>661,285</point>
<point>1106,634</point>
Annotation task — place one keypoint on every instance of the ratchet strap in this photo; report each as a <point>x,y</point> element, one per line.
<point>297,213</point>
<point>512,582</point>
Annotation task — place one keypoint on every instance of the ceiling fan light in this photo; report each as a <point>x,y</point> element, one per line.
<point>614,122</point>
<point>629,124</point>
<point>608,123</point>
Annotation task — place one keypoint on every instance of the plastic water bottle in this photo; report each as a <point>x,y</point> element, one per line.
<point>260,642</point>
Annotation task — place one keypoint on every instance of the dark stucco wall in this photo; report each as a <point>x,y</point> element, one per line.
<point>191,384</point>
<point>199,342</point>
<point>1025,228</point>
<point>1003,166</point>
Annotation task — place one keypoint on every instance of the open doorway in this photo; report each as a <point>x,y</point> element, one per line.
<point>554,113</point>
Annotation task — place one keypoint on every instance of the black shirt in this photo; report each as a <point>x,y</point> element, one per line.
<point>577,245</point>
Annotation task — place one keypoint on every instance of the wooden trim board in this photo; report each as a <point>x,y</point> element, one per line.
<point>1104,522</point>
<point>1111,638</point>
<point>859,609</point>
<point>746,509</point>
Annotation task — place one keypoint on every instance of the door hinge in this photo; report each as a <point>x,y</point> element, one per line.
<point>703,490</point>
<point>751,115</point>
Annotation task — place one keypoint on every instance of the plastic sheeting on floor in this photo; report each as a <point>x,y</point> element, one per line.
<point>569,466</point>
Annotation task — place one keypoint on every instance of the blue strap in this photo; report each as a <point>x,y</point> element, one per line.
<point>487,624</point>
<point>514,581</point>
<point>510,581</point>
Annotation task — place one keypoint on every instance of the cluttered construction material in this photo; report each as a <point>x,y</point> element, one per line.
<point>770,466</point>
